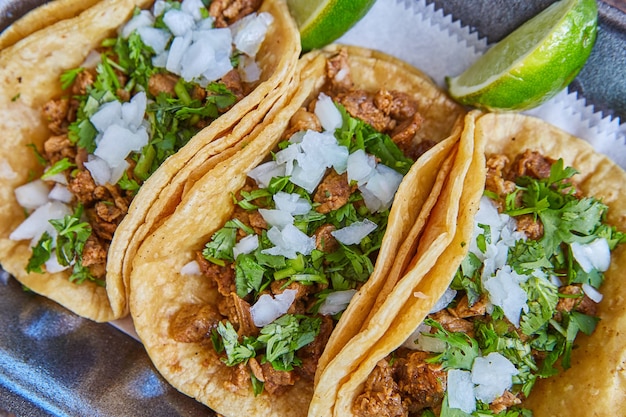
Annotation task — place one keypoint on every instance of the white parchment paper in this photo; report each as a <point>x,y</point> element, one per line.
<point>440,47</point>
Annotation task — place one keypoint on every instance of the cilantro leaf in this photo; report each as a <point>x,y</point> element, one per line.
<point>248,275</point>
<point>461,349</point>
<point>236,352</point>
<point>284,336</point>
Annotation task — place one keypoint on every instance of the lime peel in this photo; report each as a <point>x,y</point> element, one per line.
<point>533,63</point>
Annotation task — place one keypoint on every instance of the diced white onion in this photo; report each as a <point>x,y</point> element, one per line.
<point>249,32</point>
<point>143,19</point>
<point>191,268</point>
<point>336,302</point>
<point>592,293</point>
<point>99,170</point>
<point>268,309</point>
<point>419,340</point>
<point>155,38</point>
<point>32,194</point>
<point>327,113</point>
<point>289,242</point>
<point>59,178</point>
<point>504,291</point>
<point>593,255</point>
<point>291,203</point>
<point>176,52</point>
<point>493,374</point>
<point>361,166</point>
<point>461,391</point>
<point>264,173</point>
<point>247,244</point>
<point>38,222</point>
<point>355,232</point>
<point>193,8</point>
<point>445,299</point>
<point>384,184</point>
<point>52,264</point>
<point>61,193</point>
<point>178,22</point>
<point>108,114</point>
<point>249,69</point>
<point>277,218</point>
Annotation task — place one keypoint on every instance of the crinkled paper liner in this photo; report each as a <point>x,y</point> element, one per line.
<point>431,41</point>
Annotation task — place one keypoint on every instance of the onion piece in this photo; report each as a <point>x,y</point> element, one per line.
<point>593,255</point>
<point>336,302</point>
<point>143,19</point>
<point>595,295</point>
<point>289,242</point>
<point>178,22</point>
<point>34,226</point>
<point>291,203</point>
<point>247,244</point>
<point>249,32</point>
<point>268,309</point>
<point>61,193</point>
<point>191,268</point>
<point>327,112</point>
<point>355,232</point>
<point>32,194</point>
<point>493,374</point>
<point>461,391</point>
<point>277,218</point>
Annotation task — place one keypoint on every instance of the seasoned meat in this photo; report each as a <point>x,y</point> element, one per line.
<point>55,113</point>
<point>223,276</point>
<point>239,378</point>
<point>506,400</point>
<point>380,396</point>
<point>232,81</point>
<point>360,104</point>
<point>338,72</point>
<point>276,381</point>
<point>582,303</point>
<point>302,120</point>
<point>162,83</point>
<point>422,383</point>
<point>530,225</point>
<point>403,133</point>
<point>333,192</point>
<point>324,241</point>
<point>252,219</point>
<point>83,187</point>
<point>244,319</point>
<point>464,310</point>
<point>193,323</point>
<point>95,256</point>
<point>310,354</point>
<point>58,147</point>
<point>495,181</point>
<point>531,164</point>
<point>84,79</point>
<point>102,229</point>
<point>226,12</point>
<point>453,324</point>
<point>109,212</point>
<point>397,104</point>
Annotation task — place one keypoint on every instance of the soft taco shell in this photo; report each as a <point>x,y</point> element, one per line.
<point>29,73</point>
<point>595,381</point>
<point>158,289</point>
<point>424,260</point>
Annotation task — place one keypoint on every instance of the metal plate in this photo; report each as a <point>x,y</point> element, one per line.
<point>53,363</point>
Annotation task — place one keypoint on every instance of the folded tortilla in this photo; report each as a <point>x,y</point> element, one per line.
<point>159,289</point>
<point>595,381</point>
<point>30,72</point>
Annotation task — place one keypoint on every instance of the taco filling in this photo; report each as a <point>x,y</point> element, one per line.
<point>303,237</point>
<point>529,284</point>
<point>136,101</point>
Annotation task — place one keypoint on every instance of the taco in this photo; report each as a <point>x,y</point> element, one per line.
<point>102,110</point>
<point>237,292</point>
<point>504,323</point>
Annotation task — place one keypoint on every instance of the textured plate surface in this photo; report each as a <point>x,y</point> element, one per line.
<point>53,363</point>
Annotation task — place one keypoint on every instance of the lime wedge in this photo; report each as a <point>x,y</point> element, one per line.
<point>534,62</point>
<point>323,21</point>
